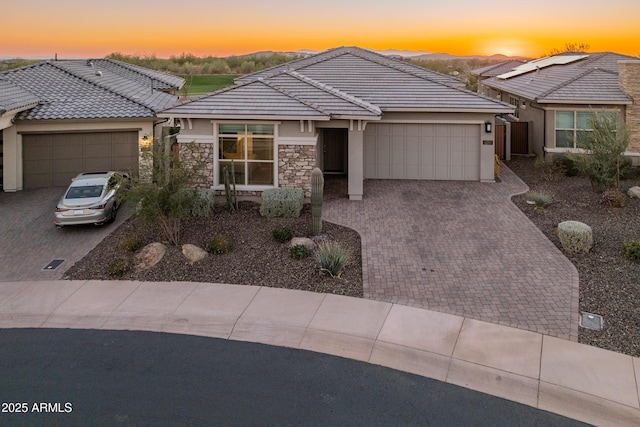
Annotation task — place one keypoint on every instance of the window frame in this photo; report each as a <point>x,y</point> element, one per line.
<point>246,135</point>
<point>576,129</point>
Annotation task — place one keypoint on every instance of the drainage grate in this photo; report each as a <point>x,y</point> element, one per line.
<point>591,321</point>
<point>53,264</point>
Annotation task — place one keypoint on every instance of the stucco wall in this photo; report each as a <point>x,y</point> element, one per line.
<point>12,141</point>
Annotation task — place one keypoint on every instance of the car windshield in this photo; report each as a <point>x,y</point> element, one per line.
<point>84,192</point>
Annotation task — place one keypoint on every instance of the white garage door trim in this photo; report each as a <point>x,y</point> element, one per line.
<point>428,151</point>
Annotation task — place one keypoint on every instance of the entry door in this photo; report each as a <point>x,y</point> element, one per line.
<point>334,150</point>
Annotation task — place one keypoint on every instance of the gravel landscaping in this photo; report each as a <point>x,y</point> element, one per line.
<point>609,282</point>
<point>256,257</point>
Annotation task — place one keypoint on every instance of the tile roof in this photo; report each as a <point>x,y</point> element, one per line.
<point>496,69</point>
<point>593,79</point>
<point>14,98</point>
<point>75,90</point>
<point>342,83</point>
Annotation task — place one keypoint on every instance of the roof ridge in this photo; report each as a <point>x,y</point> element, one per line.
<point>290,95</point>
<point>123,65</point>
<point>313,59</point>
<point>103,87</point>
<point>337,92</point>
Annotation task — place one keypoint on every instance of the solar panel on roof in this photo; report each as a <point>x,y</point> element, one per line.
<point>537,64</point>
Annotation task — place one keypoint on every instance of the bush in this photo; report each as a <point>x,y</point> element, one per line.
<point>130,244</point>
<point>285,202</point>
<point>331,258</point>
<point>282,234</point>
<point>565,165</point>
<point>299,252</point>
<point>118,267</point>
<point>632,250</point>
<point>218,245</point>
<point>201,204</point>
<point>575,236</point>
<point>626,168</point>
<point>540,199</point>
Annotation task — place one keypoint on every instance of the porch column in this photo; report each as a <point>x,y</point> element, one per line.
<point>12,157</point>
<point>356,164</point>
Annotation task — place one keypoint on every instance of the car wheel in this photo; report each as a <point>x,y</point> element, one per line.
<point>114,214</point>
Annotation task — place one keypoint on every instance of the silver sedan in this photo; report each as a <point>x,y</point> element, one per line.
<point>92,198</point>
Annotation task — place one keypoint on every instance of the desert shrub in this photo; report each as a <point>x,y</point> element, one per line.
<point>285,202</point>
<point>118,267</point>
<point>331,258</point>
<point>540,199</point>
<point>201,204</point>
<point>282,234</point>
<point>299,252</point>
<point>218,245</point>
<point>565,165</point>
<point>632,250</point>
<point>575,237</point>
<point>626,168</point>
<point>130,243</point>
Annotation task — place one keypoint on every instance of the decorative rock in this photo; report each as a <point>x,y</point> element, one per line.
<point>193,253</point>
<point>150,255</point>
<point>634,192</point>
<point>575,237</point>
<point>302,241</point>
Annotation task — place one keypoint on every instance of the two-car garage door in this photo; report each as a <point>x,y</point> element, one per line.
<point>435,151</point>
<point>53,159</point>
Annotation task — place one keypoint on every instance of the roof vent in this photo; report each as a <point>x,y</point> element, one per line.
<point>99,73</point>
<point>89,63</point>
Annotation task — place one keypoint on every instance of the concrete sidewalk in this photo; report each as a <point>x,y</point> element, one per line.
<point>571,379</point>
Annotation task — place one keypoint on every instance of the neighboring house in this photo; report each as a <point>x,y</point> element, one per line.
<point>558,95</point>
<point>348,111</point>
<point>60,118</point>
<point>493,70</point>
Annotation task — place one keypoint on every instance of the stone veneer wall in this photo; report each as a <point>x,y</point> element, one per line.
<point>295,164</point>
<point>629,76</point>
<point>199,152</point>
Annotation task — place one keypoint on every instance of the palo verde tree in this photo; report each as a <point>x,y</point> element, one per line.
<point>603,150</point>
<point>171,193</point>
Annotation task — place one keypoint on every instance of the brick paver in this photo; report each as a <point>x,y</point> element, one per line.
<point>29,240</point>
<point>461,248</point>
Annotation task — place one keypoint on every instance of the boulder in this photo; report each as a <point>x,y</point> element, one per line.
<point>193,253</point>
<point>302,241</point>
<point>150,255</point>
<point>634,192</point>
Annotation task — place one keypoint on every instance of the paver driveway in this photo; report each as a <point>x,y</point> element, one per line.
<point>461,248</point>
<point>29,240</point>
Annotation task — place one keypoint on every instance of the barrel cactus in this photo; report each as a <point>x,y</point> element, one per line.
<point>317,188</point>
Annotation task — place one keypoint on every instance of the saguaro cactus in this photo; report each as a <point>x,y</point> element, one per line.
<point>317,189</point>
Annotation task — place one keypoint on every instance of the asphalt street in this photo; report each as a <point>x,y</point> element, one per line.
<point>86,377</point>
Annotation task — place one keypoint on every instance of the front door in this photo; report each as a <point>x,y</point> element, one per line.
<point>334,150</point>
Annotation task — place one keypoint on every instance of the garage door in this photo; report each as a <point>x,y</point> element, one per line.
<point>53,159</point>
<point>422,151</point>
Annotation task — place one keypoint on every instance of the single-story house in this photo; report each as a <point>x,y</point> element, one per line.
<point>60,118</point>
<point>348,111</point>
<point>558,95</point>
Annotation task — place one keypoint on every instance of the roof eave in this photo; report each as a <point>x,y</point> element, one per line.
<point>583,102</point>
<point>450,110</point>
<point>243,116</point>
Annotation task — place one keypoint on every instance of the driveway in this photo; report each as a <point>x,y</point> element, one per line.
<point>461,248</point>
<point>29,240</point>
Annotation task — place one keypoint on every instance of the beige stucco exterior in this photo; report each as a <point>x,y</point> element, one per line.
<point>299,146</point>
<point>12,141</point>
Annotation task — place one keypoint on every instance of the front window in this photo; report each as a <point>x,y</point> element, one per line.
<point>251,148</point>
<point>573,127</point>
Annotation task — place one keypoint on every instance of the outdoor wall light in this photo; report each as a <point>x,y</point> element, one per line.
<point>145,141</point>
<point>487,127</point>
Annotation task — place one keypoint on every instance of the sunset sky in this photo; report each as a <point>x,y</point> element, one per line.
<point>95,28</point>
